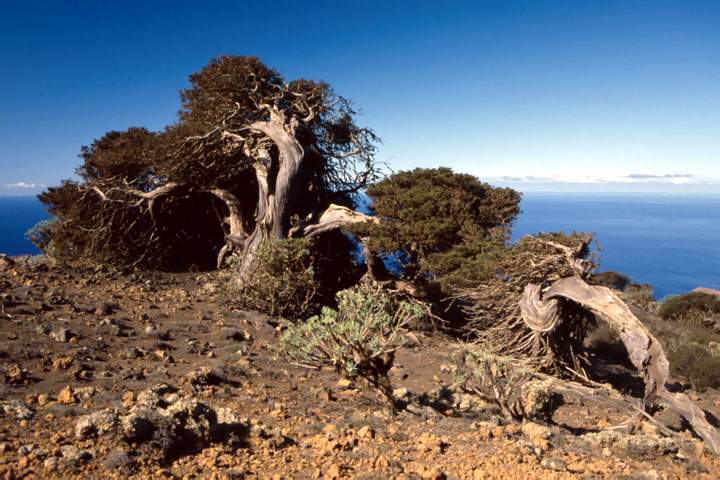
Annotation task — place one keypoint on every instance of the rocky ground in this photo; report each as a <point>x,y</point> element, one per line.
<point>108,374</point>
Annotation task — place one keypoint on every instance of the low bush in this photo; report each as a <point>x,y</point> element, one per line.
<point>614,280</point>
<point>283,283</point>
<point>697,364</point>
<point>691,350</point>
<point>640,295</point>
<point>506,382</point>
<point>41,235</point>
<point>359,338</point>
<point>691,307</point>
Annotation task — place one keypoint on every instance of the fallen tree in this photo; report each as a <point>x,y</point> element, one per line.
<point>545,327</point>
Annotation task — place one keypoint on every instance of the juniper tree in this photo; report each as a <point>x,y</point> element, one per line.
<point>252,159</point>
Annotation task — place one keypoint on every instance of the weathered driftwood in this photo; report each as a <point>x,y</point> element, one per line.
<point>644,350</point>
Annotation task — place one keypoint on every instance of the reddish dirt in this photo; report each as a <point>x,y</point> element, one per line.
<point>74,341</point>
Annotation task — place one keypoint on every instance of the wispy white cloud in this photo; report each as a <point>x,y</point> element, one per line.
<point>634,182</point>
<point>21,189</point>
<point>24,185</point>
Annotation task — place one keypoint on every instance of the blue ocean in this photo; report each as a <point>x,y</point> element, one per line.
<point>671,242</point>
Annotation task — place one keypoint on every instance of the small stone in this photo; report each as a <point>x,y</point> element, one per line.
<point>365,432</point>
<point>344,383</point>
<point>16,408</point>
<point>401,393</point>
<point>75,456</point>
<point>128,399</point>
<point>132,353</point>
<point>85,393</point>
<point>554,464</point>
<point>16,375</point>
<point>333,472</point>
<point>95,424</point>
<point>26,449</point>
<point>537,434</point>
<point>51,463</point>
<point>62,335</point>
<point>66,396</point>
<point>62,363</point>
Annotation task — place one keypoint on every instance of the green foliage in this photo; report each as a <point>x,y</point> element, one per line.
<point>441,221</point>
<point>697,364</point>
<point>283,283</point>
<point>121,154</point>
<point>358,339</point>
<point>467,265</point>
<point>691,349</point>
<point>690,307</point>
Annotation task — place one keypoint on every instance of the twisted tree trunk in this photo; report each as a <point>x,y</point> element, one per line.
<point>278,174</point>
<point>644,350</point>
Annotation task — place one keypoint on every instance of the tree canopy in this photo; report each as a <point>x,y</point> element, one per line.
<point>436,220</point>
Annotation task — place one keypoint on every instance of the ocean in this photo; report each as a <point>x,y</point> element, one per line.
<point>669,241</point>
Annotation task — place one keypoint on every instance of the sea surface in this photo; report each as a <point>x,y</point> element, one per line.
<point>669,241</point>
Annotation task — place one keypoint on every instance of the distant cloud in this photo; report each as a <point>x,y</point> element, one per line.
<point>650,176</point>
<point>21,188</point>
<point>635,182</point>
<point>24,185</point>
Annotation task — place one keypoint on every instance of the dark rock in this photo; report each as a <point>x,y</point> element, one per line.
<point>74,456</point>
<point>121,461</point>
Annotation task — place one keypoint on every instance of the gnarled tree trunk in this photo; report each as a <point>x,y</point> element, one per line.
<point>644,350</point>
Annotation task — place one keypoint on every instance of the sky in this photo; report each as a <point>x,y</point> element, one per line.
<point>539,95</point>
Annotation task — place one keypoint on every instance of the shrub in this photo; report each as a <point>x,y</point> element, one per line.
<point>359,339</point>
<point>437,221</point>
<point>691,306</point>
<point>41,236</point>
<point>506,382</point>
<point>283,282</point>
<point>696,364</point>
<point>639,295</point>
<point>690,349</point>
<point>614,280</point>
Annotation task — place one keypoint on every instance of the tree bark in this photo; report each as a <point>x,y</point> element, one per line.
<point>235,221</point>
<point>644,350</point>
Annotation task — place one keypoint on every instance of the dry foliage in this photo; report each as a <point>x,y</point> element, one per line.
<point>494,315</point>
<point>507,382</point>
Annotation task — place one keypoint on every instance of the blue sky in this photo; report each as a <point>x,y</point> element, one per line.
<point>556,95</point>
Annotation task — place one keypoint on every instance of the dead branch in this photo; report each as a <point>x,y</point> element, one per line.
<point>644,350</point>
<point>334,217</point>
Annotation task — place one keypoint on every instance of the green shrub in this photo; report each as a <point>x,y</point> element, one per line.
<point>359,339</point>
<point>691,306</point>
<point>690,349</point>
<point>696,364</point>
<point>439,221</point>
<point>283,282</point>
